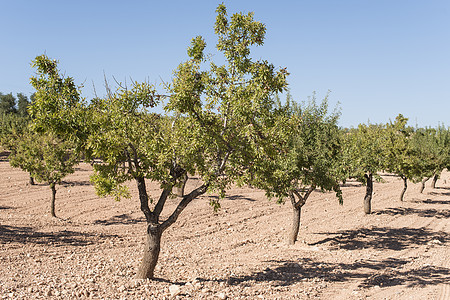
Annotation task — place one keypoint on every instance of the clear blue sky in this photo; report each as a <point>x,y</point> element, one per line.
<point>379,58</point>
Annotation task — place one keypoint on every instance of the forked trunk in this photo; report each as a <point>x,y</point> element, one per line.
<point>296,214</point>
<point>297,211</point>
<point>52,203</point>
<point>405,186</point>
<point>368,197</point>
<point>435,179</point>
<point>151,252</point>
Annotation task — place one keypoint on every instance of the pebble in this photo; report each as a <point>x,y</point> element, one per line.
<point>174,290</point>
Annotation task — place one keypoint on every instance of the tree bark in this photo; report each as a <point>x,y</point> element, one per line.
<point>422,187</point>
<point>296,214</point>
<point>31,180</point>
<point>405,186</point>
<point>52,203</point>
<point>435,179</point>
<point>368,197</point>
<point>151,252</point>
<point>297,211</point>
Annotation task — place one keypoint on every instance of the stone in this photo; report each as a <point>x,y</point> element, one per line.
<point>174,290</point>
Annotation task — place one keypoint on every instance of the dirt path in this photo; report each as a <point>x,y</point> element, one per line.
<point>401,251</point>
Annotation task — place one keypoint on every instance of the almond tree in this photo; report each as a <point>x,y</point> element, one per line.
<point>306,157</point>
<point>432,147</point>
<point>364,157</point>
<point>212,117</point>
<point>402,157</point>
<point>47,158</point>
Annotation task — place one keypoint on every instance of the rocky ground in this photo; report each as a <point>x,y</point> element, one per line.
<point>92,250</point>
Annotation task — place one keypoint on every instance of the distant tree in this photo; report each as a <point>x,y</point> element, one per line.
<point>307,155</point>
<point>47,158</point>
<point>433,145</point>
<point>7,104</point>
<point>22,105</point>
<point>402,158</point>
<point>213,117</point>
<point>364,157</point>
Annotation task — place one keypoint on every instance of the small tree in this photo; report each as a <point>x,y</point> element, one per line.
<point>213,116</point>
<point>46,158</point>
<point>307,156</point>
<point>7,104</point>
<point>22,105</point>
<point>401,155</point>
<point>364,156</point>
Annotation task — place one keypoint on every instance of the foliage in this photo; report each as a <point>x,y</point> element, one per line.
<point>45,157</point>
<point>213,117</point>
<point>401,157</point>
<point>363,150</point>
<point>227,106</point>
<point>308,153</point>
<point>7,104</point>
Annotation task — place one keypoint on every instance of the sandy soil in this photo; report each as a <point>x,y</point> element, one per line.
<point>401,251</point>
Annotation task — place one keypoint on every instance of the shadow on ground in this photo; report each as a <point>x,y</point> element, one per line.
<point>76,183</point>
<point>370,272</point>
<point>428,213</point>
<point>123,219</point>
<point>382,238</point>
<point>28,235</point>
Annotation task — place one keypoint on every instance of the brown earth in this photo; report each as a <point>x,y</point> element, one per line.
<point>92,250</point>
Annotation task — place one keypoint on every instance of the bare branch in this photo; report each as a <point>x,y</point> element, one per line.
<point>182,205</point>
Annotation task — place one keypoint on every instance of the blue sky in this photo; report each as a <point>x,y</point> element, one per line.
<point>379,58</point>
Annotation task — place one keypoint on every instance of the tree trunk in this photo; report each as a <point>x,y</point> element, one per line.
<point>435,179</point>
<point>52,203</point>
<point>179,191</point>
<point>31,180</point>
<point>368,197</point>
<point>151,252</point>
<point>296,213</point>
<point>405,186</point>
<point>422,187</point>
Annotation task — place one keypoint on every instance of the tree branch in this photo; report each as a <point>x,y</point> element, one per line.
<point>303,199</point>
<point>182,205</point>
<point>160,205</point>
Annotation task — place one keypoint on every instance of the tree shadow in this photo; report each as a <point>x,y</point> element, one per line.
<point>429,201</point>
<point>27,235</point>
<point>239,197</point>
<point>427,213</point>
<point>371,273</point>
<point>123,219</point>
<point>75,183</point>
<point>4,155</point>
<point>440,193</point>
<point>351,184</point>
<point>382,238</point>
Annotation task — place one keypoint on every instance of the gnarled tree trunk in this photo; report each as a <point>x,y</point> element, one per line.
<point>151,252</point>
<point>368,196</point>
<point>405,186</point>
<point>155,228</point>
<point>296,214</point>
<point>52,203</point>
<point>297,211</point>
